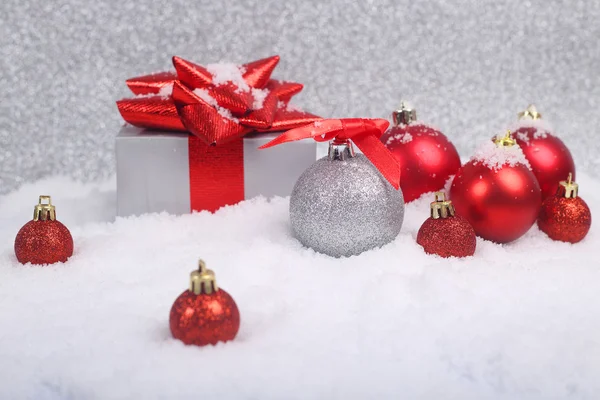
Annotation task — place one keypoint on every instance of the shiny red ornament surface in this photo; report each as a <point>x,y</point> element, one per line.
<point>447,237</point>
<point>427,158</point>
<point>567,220</point>
<point>548,156</point>
<point>215,112</point>
<point>43,242</point>
<point>501,204</point>
<point>204,318</point>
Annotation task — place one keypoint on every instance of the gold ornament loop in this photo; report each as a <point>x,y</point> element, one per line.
<point>530,112</point>
<point>44,210</point>
<point>441,208</point>
<point>505,141</point>
<point>202,280</point>
<point>568,189</point>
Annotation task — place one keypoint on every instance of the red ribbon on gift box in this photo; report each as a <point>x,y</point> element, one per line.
<point>365,133</point>
<point>218,105</point>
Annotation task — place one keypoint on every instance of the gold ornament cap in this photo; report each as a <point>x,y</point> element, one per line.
<point>202,280</point>
<point>530,112</point>
<point>505,141</point>
<point>568,189</point>
<point>405,114</point>
<point>44,210</point>
<point>441,208</point>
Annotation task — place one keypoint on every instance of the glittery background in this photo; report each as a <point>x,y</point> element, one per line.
<point>468,66</point>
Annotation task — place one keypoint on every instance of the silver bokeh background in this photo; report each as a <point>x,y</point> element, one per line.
<point>468,66</point>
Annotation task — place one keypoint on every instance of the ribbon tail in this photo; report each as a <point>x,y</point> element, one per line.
<point>321,131</point>
<point>380,156</point>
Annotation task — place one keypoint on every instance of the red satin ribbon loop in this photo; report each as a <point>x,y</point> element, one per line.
<point>365,133</point>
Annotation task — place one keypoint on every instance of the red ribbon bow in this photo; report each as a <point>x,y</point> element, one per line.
<point>365,133</point>
<point>216,105</point>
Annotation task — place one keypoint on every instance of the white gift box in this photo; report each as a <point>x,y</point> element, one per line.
<point>153,169</point>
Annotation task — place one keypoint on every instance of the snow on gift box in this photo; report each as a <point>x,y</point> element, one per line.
<point>194,144</point>
<point>346,203</point>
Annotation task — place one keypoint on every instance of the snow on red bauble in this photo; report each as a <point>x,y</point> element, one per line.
<point>497,192</point>
<point>204,314</point>
<point>427,158</point>
<point>44,240</point>
<point>565,216</point>
<point>446,233</point>
<point>550,159</point>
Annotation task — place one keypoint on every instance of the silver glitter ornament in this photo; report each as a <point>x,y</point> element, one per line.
<point>342,205</point>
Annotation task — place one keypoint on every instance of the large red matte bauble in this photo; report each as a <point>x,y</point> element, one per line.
<point>550,159</point>
<point>43,242</point>
<point>567,220</point>
<point>447,237</point>
<point>501,204</point>
<point>427,158</point>
<point>202,319</point>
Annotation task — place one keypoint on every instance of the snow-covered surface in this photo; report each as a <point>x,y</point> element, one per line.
<point>494,157</point>
<point>519,321</point>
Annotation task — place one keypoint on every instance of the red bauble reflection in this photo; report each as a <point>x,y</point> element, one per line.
<point>501,204</point>
<point>202,319</point>
<point>550,159</point>
<point>427,158</point>
<point>43,242</point>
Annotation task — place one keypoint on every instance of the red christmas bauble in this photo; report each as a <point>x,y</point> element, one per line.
<point>427,158</point>
<point>447,236</point>
<point>43,240</point>
<point>202,319</point>
<point>501,202</point>
<point>565,216</point>
<point>567,220</point>
<point>204,314</point>
<point>550,159</point>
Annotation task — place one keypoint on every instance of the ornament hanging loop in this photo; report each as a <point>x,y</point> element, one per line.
<point>505,141</point>
<point>530,113</point>
<point>44,210</point>
<point>340,149</point>
<point>568,188</point>
<point>404,115</point>
<point>202,280</point>
<point>441,208</point>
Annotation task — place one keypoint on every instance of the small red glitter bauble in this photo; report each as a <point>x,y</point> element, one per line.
<point>447,237</point>
<point>203,319</point>
<point>43,240</point>
<point>426,157</point>
<point>565,216</point>
<point>548,156</point>
<point>204,314</point>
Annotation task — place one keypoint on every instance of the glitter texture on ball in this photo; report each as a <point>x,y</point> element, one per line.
<point>345,207</point>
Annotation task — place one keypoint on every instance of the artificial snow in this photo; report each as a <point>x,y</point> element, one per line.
<point>204,95</point>
<point>541,125</point>
<point>516,321</point>
<point>223,73</point>
<point>494,157</point>
<point>259,96</point>
<point>399,137</point>
<point>225,113</point>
